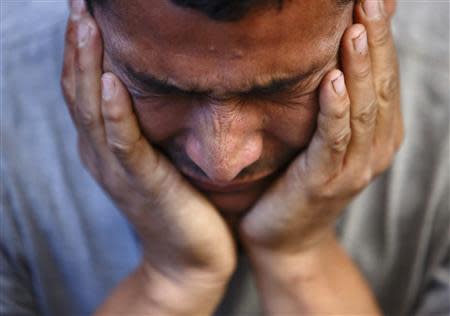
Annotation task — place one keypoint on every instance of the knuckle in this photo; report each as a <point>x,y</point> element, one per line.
<point>120,148</point>
<point>341,111</point>
<point>368,114</point>
<point>85,118</point>
<point>388,87</point>
<point>363,179</point>
<point>362,71</point>
<point>128,153</point>
<point>381,35</point>
<point>320,193</point>
<point>323,193</point>
<point>338,141</point>
<point>114,114</point>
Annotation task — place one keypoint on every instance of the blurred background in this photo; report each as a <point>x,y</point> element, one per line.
<point>32,32</point>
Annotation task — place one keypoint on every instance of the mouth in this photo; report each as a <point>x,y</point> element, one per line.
<point>229,187</point>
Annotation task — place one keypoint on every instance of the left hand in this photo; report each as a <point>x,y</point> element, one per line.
<point>360,128</point>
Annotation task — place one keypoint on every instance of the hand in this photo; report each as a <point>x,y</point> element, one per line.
<point>184,238</point>
<point>359,130</point>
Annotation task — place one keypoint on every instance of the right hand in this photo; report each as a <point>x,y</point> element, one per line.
<point>183,236</point>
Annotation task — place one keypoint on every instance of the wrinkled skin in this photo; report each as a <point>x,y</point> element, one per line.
<point>222,138</point>
<point>286,161</point>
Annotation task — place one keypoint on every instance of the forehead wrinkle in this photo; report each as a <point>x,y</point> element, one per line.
<point>221,83</point>
<point>220,88</point>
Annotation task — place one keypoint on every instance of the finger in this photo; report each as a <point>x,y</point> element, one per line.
<point>372,13</point>
<point>68,69</point>
<point>125,139</point>
<point>154,183</point>
<point>383,55</point>
<point>363,111</point>
<point>88,61</point>
<point>77,9</point>
<point>390,7</point>
<point>326,152</point>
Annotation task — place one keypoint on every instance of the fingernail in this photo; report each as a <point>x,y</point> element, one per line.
<point>372,8</point>
<point>108,87</point>
<point>339,84</point>
<point>76,9</point>
<point>84,31</point>
<point>360,43</point>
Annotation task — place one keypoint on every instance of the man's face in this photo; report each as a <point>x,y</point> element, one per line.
<point>231,103</point>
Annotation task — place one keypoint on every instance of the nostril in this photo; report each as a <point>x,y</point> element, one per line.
<point>194,150</point>
<point>223,161</point>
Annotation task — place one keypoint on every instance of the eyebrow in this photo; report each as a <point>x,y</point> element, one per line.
<point>149,83</point>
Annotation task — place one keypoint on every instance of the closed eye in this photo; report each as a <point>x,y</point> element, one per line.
<point>140,94</point>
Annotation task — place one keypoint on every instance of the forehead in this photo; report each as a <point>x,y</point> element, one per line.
<point>185,47</point>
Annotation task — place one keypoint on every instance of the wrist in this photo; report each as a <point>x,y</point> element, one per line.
<point>320,279</point>
<point>146,291</point>
<point>300,245</point>
<point>287,262</point>
<point>182,291</point>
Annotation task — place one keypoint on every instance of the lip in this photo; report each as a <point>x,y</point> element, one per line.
<point>235,187</point>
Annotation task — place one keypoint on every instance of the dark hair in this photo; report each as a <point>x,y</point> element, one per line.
<point>221,10</point>
<point>226,10</point>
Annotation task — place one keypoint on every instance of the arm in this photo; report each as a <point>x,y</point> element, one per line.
<point>182,272</point>
<point>318,281</point>
<point>148,292</point>
<point>289,236</point>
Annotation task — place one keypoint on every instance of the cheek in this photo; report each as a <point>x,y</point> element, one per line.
<point>288,126</point>
<point>293,126</point>
<point>159,123</point>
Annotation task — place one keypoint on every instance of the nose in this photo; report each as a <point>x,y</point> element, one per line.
<point>224,144</point>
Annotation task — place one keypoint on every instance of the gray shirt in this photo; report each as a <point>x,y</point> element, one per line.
<point>64,245</point>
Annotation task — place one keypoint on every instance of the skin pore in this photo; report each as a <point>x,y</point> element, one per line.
<point>230,103</point>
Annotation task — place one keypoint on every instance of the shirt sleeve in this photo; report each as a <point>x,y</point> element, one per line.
<point>16,295</point>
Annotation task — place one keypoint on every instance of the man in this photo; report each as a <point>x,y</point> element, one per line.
<point>262,131</point>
